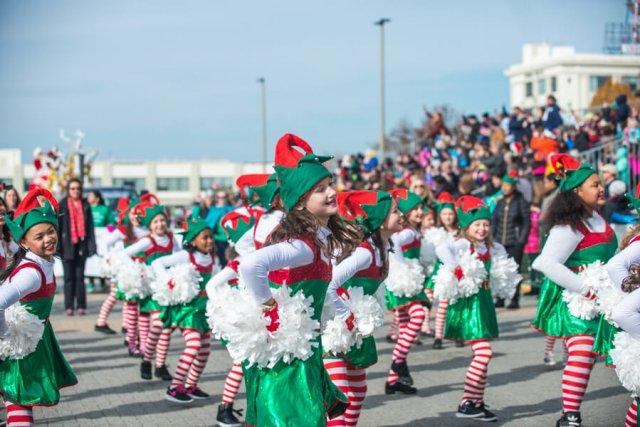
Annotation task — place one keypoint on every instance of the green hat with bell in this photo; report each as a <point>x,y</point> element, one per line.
<point>368,209</point>
<point>405,199</point>
<point>236,225</point>
<point>570,171</point>
<point>470,209</point>
<point>148,208</point>
<point>38,206</point>
<point>445,200</point>
<point>194,227</point>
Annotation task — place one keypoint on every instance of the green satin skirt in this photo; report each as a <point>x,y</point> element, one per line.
<point>37,378</point>
<point>430,281</point>
<point>122,297</point>
<point>604,339</point>
<point>148,304</point>
<point>394,301</point>
<point>190,316</point>
<point>472,318</point>
<point>553,316</point>
<point>363,357</point>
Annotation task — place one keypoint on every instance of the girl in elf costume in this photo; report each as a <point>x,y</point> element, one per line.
<point>446,221</point>
<point>297,256</point>
<point>403,297</point>
<point>190,317</point>
<point>29,284</point>
<point>366,267</point>
<point>160,242</point>
<point>472,318</point>
<point>578,236</point>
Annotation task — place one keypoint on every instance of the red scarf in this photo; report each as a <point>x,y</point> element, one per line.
<point>76,217</point>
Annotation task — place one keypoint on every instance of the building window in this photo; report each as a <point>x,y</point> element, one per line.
<point>596,82</point>
<point>554,84</point>
<point>528,89</point>
<point>137,184</point>
<point>172,184</point>
<point>542,86</point>
<point>211,182</point>
<point>632,81</point>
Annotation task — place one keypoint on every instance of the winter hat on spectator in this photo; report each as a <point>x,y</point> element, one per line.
<point>236,225</point>
<point>38,206</point>
<point>511,177</point>
<point>194,227</point>
<point>405,199</point>
<point>445,200</point>
<point>297,173</point>
<point>570,171</point>
<point>367,208</point>
<point>470,209</point>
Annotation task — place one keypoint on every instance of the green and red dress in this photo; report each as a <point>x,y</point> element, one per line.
<point>473,318</point>
<point>148,304</point>
<point>553,316</point>
<point>299,393</point>
<point>410,250</point>
<point>36,379</point>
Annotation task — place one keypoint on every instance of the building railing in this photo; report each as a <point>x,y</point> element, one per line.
<point>609,152</point>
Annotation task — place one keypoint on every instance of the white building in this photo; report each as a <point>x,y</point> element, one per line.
<point>175,182</point>
<point>573,78</point>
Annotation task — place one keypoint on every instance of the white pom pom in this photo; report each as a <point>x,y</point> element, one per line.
<point>435,235</point>
<point>24,331</point>
<point>579,306</point>
<point>181,287</point>
<point>406,277</point>
<point>132,276</point>
<point>625,356</point>
<point>504,277</point>
<point>596,277</point>
<point>474,274</point>
<point>428,255</point>
<point>445,284</point>
<point>336,337</point>
<point>367,311</point>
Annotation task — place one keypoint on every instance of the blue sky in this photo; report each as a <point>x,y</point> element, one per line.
<point>167,79</point>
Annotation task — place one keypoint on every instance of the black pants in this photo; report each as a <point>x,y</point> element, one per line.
<point>221,248</point>
<point>516,252</point>
<point>75,294</point>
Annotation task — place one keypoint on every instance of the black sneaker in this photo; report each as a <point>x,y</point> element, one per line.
<point>400,388</point>
<point>459,343</point>
<point>145,370</point>
<point>126,343</point>
<point>177,395</point>
<point>437,344</point>
<point>226,417</point>
<point>104,329</point>
<point>570,419</point>
<point>418,341</point>
<point>196,393</point>
<point>487,416</point>
<point>468,409</point>
<point>123,330</point>
<point>402,370</point>
<point>163,373</point>
<point>391,339</point>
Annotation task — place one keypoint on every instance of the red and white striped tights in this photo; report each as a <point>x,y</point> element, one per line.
<point>18,416</point>
<point>575,376</point>
<point>441,315</point>
<point>476,377</point>
<point>232,384</point>
<point>156,341</point>
<point>194,343</point>
<point>353,383</point>
<point>107,306</point>
<point>130,317</point>
<point>549,343</point>
<point>408,334</point>
<point>632,414</point>
<point>426,327</point>
<point>200,362</point>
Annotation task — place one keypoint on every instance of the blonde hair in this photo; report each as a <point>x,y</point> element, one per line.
<point>628,235</point>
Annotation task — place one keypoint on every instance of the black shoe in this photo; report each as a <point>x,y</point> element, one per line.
<point>437,344</point>
<point>196,393</point>
<point>402,370</point>
<point>418,341</point>
<point>513,305</point>
<point>104,329</point>
<point>226,417</point>
<point>459,343</point>
<point>145,370</point>
<point>427,334</point>
<point>163,373</point>
<point>487,416</point>
<point>177,395</point>
<point>499,303</point>
<point>126,343</point>
<point>390,339</point>
<point>468,409</point>
<point>570,419</point>
<point>400,388</point>
<point>123,330</point>
<point>135,352</point>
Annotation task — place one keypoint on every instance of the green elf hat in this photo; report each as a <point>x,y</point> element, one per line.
<point>366,208</point>
<point>445,200</point>
<point>405,199</point>
<point>511,177</point>
<point>297,173</point>
<point>236,225</point>
<point>570,171</point>
<point>470,209</point>
<point>264,186</point>
<point>194,227</point>
<point>38,206</point>
<point>148,208</point>
<point>268,193</point>
<point>634,201</point>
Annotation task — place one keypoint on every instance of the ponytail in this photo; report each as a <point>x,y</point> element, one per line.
<point>15,262</point>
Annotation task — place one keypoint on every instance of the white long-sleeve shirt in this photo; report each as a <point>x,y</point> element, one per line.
<point>266,224</point>
<point>560,244</point>
<point>627,313</point>
<point>161,264</point>
<point>618,266</point>
<point>402,238</point>
<point>23,283</point>
<point>448,252</point>
<point>255,266</point>
<point>116,236</point>
<point>145,244</point>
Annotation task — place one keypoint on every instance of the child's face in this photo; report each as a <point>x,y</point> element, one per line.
<point>428,220</point>
<point>415,216</point>
<point>41,239</point>
<point>203,242</point>
<point>448,217</point>
<point>479,230</point>
<point>321,201</point>
<point>133,217</point>
<point>394,222</point>
<point>158,225</point>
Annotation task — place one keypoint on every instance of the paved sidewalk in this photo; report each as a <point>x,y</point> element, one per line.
<point>520,389</point>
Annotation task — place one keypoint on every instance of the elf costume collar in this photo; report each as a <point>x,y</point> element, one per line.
<point>264,186</point>
<point>405,199</point>
<point>367,208</point>
<point>511,177</point>
<point>194,227</point>
<point>445,200</point>
<point>470,209</point>
<point>38,206</point>
<point>570,171</point>
<point>236,225</point>
<point>297,173</point>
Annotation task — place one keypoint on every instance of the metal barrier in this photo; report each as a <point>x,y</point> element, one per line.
<point>608,152</point>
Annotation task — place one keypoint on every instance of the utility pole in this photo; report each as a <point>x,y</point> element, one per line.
<point>263,119</point>
<point>381,24</point>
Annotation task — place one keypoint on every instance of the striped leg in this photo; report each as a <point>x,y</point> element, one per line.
<point>144,322</point>
<point>577,371</point>
<point>441,315</point>
<point>154,329</point>
<point>162,349</point>
<point>19,416</point>
<point>131,324</point>
<point>232,384</point>
<point>632,415</point>
<point>393,326</point>
<point>337,370</point>
<point>426,328</point>
<point>408,334</point>
<point>199,363</point>
<point>476,378</point>
<point>357,391</point>
<point>107,306</point>
<point>193,343</point>
<point>549,343</point>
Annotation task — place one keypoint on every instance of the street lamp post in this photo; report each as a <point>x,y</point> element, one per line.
<point>381,23</point>
<point>263,119</point>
